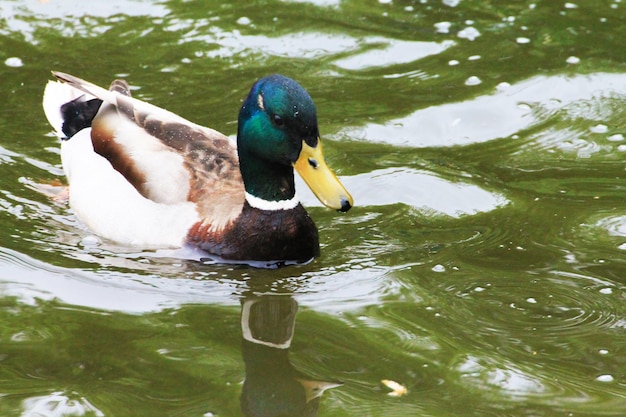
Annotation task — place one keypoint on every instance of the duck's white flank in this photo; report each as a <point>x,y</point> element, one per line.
<point>261,204</point>
<point>111,207</point>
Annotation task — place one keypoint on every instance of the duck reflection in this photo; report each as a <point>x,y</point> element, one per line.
<point>273,387</point>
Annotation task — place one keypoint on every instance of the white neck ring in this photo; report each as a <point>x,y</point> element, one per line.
<point>262,204</point>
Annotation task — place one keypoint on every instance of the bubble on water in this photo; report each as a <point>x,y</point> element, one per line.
<point>571,6</point>
<point>531,300</point>
<point>616,137</point>
<point>469,33</point>
<point>14,62</point>
<point>90,241</point>
<point>451,3</point>
<point>473,58</point>
<point>443,27</point>
<point>245,21</point>
<point>606,291</point>
<point>453,62</point>
<point>599,128</point>
<point>502,87</point>
<point>572,60</point>
<point>439,268</point>
<point>473,80</point>
<point>605,378</point>
<point>522,40</point>
<point>603,351</point>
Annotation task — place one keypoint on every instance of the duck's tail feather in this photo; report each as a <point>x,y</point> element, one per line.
<point>68,109</point>
<point>91,89</point>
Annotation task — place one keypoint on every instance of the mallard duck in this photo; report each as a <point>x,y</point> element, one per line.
<point>141,175</point>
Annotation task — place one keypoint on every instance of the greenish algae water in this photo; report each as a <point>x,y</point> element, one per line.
<point>482,267</point>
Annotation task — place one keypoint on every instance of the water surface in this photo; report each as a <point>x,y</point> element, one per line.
<point>482,267</point>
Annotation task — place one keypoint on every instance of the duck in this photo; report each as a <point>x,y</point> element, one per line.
<point>143,176</point>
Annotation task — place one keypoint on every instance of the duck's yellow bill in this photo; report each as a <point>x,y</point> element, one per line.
<point>320,179</point>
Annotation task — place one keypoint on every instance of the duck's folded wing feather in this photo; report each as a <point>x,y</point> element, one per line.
<point>165,157</point>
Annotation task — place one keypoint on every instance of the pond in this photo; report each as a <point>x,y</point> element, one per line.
<point>482,269</point>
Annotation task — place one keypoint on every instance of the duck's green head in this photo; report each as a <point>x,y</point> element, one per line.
<point>278,132</point>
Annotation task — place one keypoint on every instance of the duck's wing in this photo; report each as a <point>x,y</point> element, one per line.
<point>164,156</point>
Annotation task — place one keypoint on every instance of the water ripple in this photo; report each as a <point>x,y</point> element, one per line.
<point>502,114</point>
<point>413,188</point>
<point>553,308</point>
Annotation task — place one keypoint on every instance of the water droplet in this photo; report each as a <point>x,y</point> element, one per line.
<point>244,21</point>
<point>439,268</point>
<point>531,300</point>
<point>91,240</point>
<point>605,378</point>
<point>522,40</point>
<point>599,128</point>
<point>606,291</point>
<point>503,86</point>
<point>443,27</point>
<point>473,80</point>
<point>453,62</point>
<point>572,60</point>
<point>469,33</point>
<point>13,62</point>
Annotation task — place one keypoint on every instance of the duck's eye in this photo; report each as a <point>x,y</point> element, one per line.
<point>278,120</point>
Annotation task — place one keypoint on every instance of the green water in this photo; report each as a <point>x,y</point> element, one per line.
<point>482,267</point>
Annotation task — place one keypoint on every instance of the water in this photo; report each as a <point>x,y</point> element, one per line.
<point>482,267</point>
